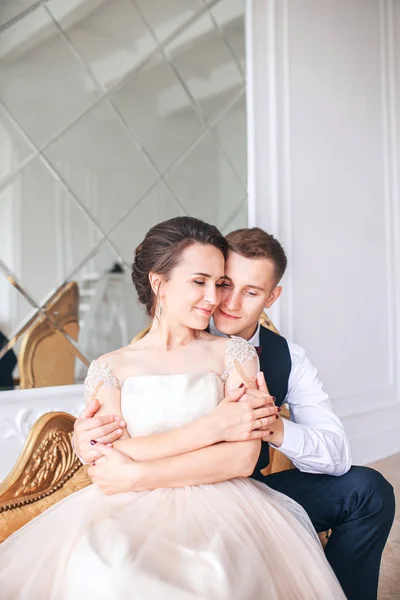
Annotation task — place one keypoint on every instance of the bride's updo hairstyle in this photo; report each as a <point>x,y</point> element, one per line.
<point>162,248</point>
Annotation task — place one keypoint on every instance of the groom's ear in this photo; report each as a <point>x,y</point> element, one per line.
<point>274,295</point>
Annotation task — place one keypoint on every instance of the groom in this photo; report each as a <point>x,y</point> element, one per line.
<point>357,503</point>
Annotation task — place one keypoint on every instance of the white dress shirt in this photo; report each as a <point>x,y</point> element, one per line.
<point>314,438</point>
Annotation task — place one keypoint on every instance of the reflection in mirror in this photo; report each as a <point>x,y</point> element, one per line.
<point>145,121</point>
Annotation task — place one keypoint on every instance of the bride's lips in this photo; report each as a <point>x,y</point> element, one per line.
<point>224,314</point>
<point>205,311</point>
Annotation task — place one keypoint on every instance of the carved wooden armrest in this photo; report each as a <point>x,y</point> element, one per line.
<point>46,471</point>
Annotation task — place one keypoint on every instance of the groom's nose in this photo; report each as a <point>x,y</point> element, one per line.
<point>232,300</point>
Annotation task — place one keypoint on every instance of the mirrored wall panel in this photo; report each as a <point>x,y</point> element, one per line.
<point>114,115</point>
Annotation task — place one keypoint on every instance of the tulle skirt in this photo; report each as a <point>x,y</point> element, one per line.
<point>235,540</point>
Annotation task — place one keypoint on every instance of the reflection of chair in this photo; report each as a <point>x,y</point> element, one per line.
<point>47,470</point>
<point>46,357</point>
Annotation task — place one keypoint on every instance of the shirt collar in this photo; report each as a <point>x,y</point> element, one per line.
<point>254,341</point>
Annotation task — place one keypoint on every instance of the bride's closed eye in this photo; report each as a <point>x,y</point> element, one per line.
<point>218,285</point>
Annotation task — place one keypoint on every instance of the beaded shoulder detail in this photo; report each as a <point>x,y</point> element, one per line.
<point>99,375</point>
<point>238,351</point>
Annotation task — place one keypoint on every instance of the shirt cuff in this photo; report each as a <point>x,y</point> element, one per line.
<point>293,439</point>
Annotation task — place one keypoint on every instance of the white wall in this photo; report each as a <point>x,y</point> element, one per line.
<point>19,409</point>
<point>324,163</point>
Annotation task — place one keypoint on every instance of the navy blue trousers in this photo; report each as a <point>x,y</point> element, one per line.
<point>359,508</point>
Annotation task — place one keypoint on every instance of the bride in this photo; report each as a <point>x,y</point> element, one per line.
<point>234,539</point>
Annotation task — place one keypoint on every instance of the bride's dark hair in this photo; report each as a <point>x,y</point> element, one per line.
<point>162,248</point>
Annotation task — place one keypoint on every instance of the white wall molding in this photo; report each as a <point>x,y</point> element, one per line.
<point>19,409</point>
<point>374,434</point>
<point>391,119</point>
<point>323,147</point>
<point>269,155</point>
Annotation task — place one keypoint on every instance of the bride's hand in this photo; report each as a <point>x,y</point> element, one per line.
<point>114,472</point>
<point>88,426</point>
<point>245,414</point>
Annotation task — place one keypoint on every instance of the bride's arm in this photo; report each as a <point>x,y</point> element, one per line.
<point>201,433</point>
<point>232,420</point>
<point>219,462</point>
<point>101,384</point>
<point>198,434</point>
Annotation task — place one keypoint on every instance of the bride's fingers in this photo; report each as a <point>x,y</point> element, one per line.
<point>90,410</point>
<point>265,411</point>
<point>258,398</point>
<point>261,383</point>
<point>106,452</point>
<point>97,432</point>
<point>264,422</point>
<point>92,456</point>
<point>259,433</point>
<point>112,437</point>
<point>85,424</point>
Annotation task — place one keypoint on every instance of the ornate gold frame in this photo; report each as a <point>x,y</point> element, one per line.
<point>46,471</point>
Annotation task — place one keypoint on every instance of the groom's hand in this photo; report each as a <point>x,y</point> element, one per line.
<point>105,429</point>
<point>276,433</point>
<point>260,396</point>
<point>244,415</point>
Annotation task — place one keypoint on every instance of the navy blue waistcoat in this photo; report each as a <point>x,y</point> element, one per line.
<point>276,364</point>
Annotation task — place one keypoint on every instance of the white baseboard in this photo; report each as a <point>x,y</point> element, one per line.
<point>375,434</point>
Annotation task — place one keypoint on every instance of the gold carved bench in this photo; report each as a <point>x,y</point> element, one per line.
<point>47,470</point>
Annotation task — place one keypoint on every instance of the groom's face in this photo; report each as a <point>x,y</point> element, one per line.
<point>249,288</point>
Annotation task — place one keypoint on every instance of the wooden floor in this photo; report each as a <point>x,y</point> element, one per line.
<point>389,584</point>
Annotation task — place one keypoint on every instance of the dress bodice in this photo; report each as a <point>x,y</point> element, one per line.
<point>155,403</point>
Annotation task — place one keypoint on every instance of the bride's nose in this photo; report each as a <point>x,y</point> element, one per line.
<point>212,294</point>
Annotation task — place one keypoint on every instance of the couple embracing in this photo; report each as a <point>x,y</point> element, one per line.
<point>177,430</point>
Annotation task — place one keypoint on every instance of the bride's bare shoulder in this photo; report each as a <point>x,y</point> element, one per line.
<point>119,358</point>
<point>233,347</point>
<point>215,343</point>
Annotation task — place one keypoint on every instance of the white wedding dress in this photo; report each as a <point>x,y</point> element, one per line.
<point>235,540</point>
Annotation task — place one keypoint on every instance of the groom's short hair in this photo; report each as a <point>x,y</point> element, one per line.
<point>257,243</point>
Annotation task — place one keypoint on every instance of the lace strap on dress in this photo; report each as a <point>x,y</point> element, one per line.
<point>99,375</point>
<point>237,352</point>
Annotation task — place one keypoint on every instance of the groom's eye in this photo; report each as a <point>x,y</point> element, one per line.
<point>199,282</point>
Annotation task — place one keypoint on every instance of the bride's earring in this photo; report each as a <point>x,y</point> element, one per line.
<point>159,305</point>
